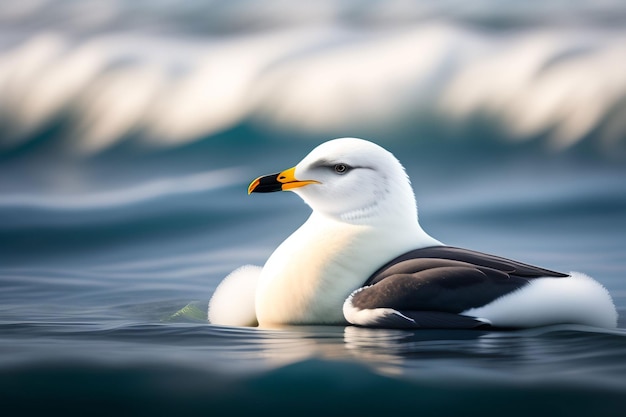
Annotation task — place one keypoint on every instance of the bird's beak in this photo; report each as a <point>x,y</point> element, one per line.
<point>282,181</point>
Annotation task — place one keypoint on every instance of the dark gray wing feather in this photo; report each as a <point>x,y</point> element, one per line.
<point>427,320</point>
<point>433,285</point>
<point>449,253</point>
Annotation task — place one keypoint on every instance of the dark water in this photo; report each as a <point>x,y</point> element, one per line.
<point>120,215</point>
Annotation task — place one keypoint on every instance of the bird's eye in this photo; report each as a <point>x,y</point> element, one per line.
<point>341,168</point>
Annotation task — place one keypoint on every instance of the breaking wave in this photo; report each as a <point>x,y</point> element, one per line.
<point>92,75</point>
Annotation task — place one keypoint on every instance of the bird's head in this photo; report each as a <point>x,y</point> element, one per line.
<point>348,179</point>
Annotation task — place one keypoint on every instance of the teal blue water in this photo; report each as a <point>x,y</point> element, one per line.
<point>104,300</point>
<point>131,130</point>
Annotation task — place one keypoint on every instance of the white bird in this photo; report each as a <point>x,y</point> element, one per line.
<point>363,258</point>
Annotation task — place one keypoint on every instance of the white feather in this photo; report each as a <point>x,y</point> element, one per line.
<point>232,303</point>
<point>578,299</point>
<point>369,316</point>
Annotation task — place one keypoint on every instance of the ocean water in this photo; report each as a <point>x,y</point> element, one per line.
<point>130,131</point>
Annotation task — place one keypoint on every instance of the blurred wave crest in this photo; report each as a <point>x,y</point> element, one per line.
<point>91,75</point>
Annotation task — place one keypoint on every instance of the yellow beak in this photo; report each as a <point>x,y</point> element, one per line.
<point>282,181</point>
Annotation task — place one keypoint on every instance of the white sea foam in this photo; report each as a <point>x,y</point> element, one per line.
<point>331,69</point>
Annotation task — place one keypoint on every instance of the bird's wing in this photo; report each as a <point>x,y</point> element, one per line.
<point>429,288</point>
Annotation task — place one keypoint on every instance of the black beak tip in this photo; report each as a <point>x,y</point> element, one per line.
<point>267,184</point>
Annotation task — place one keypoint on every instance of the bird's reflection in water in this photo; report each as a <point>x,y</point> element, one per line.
<point>388,351</point>
<point>398,351</point>
<point>407,353</point>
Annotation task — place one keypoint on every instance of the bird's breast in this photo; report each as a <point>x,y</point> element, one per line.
<point>308,277</point>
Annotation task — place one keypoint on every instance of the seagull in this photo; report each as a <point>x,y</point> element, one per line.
<point>362,258</point>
